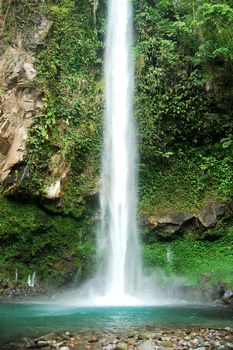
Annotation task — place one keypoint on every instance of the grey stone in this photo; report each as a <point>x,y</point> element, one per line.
<point>109,347</point>
<point>228,297</point>
<point>42,343</point>
<point>211,212</point>
<point>147,345</point>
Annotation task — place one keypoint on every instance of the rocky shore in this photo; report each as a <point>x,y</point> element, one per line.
<point>144,339</point>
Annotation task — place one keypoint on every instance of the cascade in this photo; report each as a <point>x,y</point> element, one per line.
<point>118,241</point>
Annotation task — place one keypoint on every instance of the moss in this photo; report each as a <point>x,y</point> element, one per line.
<point>53,246</point>
<point>185,184</point>
<point>197,260</point>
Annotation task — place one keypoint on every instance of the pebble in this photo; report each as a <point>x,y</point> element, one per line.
<point>143,339</point>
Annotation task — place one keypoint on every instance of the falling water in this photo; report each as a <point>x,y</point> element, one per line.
<point>118,240</point>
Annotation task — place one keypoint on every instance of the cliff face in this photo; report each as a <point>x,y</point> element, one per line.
<point>20,103</point>
<point>51,133</point>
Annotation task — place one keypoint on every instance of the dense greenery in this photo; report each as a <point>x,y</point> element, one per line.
<point>56,247</point>
<point>199,261</point>
<point>183,104</point>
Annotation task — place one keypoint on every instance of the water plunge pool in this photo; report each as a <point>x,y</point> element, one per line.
<point>34,319</point>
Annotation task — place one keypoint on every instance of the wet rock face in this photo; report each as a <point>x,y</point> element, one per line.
<point>19,105</point>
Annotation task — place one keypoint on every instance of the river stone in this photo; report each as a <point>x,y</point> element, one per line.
<point>166,344</point>
<point>109,347</point>
<point>121,346</point>
<point>146,335</point>
<point>229,345</point>
<point>93,340</point>
<point>42,343</point>
<point>30,344</point>
<point>50,336</point>
<point>65,348</point>
<point>147,345</point>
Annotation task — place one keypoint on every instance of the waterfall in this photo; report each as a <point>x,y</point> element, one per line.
<point>118,242</point>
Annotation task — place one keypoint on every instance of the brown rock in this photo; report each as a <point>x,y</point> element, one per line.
<point>18,106</point>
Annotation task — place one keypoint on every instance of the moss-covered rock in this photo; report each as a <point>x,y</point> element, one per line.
<point>59,248</point>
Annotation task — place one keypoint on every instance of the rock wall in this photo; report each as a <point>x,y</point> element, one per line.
<point>20,103</point>
<point>172,223</point>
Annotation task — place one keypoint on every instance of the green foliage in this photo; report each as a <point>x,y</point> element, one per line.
<point>183,103</point>
<point>32,240</point>
<point>197,260</point>
<point>69,64</point>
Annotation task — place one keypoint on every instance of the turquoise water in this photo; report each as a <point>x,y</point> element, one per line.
<point>33,319</point>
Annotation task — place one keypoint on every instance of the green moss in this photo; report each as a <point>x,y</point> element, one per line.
<point>185,183</point>
<point>53,246</point>
<point>197,260</point>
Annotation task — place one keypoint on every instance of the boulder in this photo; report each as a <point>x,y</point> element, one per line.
<point>59,169</point>
<point>211,213</point>
<point>170,223</point>
<point>228,297</point>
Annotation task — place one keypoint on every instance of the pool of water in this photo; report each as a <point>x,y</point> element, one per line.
<point>33,319</point>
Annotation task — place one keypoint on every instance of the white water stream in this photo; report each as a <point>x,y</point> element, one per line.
<point>119,280</point>
<point>118,240</point>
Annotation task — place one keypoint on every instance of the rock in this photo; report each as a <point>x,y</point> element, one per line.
<point>228,329</point>
<point>174,222</point>
<point>41,343</point>
<point>53,191</point>
<point>146,335</point>
<point>166,344</point>
<point>109,347</point>
<point>93,340</point>
<point>50,336</point>
<point>59,168</point>
<point>169,222</point>
<point>42,31</point>
<point>229,345</point>
<point>64,348</point>
<point>147,345</point>
<point>18,106</point>
<point>29,343</point>
<point>121,346</point>
<point>211,212</point>
<point>228,297</point>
